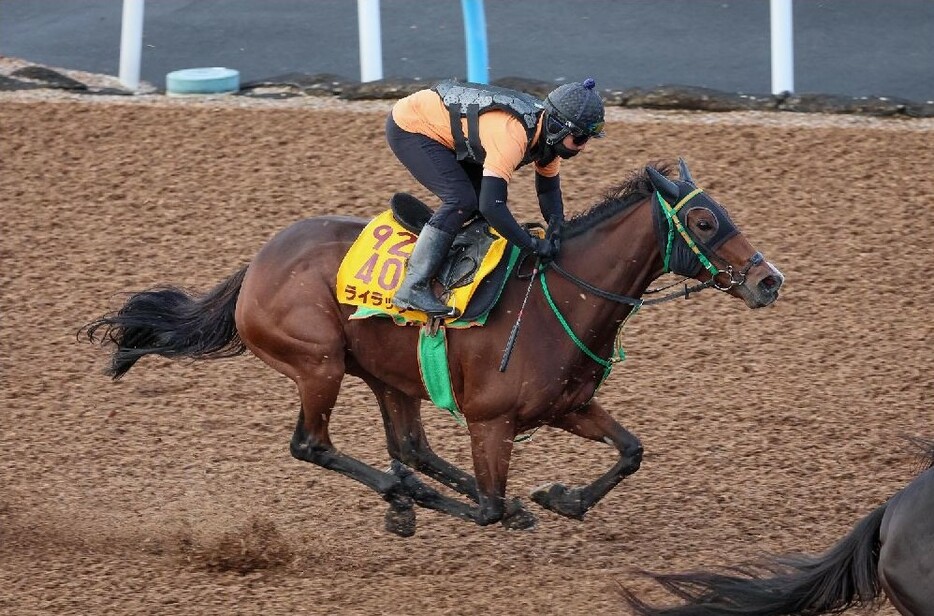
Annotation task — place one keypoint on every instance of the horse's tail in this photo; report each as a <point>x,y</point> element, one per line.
<point>173,323</point>
<point>843,577</point>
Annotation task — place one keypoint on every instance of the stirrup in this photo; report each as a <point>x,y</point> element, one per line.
<point>436,321</point>
<point>450,313</point>
<point>447,312</point>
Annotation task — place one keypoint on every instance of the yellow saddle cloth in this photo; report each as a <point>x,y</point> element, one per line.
<point>373,268</point>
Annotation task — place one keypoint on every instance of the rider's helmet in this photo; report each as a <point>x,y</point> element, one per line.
<point>575,109</point>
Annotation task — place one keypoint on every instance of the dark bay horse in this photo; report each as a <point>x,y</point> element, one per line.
<point>890,551</point>
<point>283,308</point>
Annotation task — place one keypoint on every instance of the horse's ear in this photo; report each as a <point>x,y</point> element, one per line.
<point>685,172</point>
<point>662,184</point>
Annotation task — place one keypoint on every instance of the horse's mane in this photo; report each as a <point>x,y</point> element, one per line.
<point>636,187</point>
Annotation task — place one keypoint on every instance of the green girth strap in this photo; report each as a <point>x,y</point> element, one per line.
<point>433,363</point>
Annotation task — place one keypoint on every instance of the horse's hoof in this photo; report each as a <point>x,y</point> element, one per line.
<point>518,517</point>
<point>399,469</point>
<point>556,497</point>
<point>401,521</point>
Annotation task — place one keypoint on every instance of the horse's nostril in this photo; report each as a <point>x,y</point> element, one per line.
<point>770,283</point>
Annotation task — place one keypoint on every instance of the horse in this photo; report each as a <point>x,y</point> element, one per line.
<point>890,551</point>
<point>283,308</point>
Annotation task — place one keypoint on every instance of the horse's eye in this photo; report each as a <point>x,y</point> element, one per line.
<point>704,225</point>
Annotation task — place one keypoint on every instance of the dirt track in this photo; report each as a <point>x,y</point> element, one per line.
<point>173,491</point>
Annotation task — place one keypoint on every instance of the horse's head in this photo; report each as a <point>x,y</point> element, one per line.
<point>699,240</point>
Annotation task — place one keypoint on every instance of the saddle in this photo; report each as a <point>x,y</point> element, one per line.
<point>467,251</point>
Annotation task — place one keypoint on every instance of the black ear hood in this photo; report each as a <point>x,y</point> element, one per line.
<point>684,172</point>
<point>683,261</point>
<point>664,185</point>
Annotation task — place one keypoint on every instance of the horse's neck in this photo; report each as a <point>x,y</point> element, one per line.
<point>619,255</point>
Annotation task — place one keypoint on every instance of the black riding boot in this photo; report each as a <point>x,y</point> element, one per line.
<point>415,292</point>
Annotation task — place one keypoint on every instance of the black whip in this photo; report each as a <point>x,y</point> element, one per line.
<point>553,235</point>
<point>507,352</point>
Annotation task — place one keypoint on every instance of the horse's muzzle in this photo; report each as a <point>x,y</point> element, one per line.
<point>762,285</point>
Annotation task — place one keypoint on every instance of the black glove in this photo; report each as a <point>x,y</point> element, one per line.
<point>545,248</point>
<point>553,234</point>
<point>549,247</point>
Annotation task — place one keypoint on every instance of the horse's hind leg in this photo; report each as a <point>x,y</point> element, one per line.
<point>594,423</point>
<point>408,444</point>
<point>311,442</point>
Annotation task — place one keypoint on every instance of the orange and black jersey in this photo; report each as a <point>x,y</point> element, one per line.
<point>502,135</point>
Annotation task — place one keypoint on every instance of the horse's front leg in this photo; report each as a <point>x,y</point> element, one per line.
<point>594,423</point>
<point>491,446</point>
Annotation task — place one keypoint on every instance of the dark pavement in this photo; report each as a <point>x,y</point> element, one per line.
<point>845,47</point>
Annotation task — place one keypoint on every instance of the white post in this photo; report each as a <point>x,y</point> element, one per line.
<point>131,43</point>
<point>371,46</point>
<point>783,49</point>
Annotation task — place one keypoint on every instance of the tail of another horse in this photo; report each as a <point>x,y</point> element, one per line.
<point>173,323</point>
<point>845,576</point>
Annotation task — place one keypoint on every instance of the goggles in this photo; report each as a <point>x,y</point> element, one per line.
<point>578,136</point>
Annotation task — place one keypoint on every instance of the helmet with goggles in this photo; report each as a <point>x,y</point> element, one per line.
<point>573,109</point>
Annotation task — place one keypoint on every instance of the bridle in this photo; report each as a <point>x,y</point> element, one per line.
<point>674,226</point>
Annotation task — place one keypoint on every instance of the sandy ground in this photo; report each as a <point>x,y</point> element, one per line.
<point>173,492</point>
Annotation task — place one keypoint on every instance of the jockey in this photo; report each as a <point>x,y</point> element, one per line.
<point>463,141</point>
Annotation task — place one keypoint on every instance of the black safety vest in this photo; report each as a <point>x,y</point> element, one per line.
<point>469,100</point>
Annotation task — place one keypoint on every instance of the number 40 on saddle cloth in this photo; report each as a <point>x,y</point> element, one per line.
<point>373,268</point>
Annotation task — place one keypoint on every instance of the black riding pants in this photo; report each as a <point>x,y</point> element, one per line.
<point>436,168</point>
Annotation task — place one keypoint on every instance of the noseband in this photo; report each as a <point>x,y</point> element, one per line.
<point>753,261</point>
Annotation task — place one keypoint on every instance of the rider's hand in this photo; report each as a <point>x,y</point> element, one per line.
<point>545,249</point>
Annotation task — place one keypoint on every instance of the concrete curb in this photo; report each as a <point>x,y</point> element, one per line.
<point>291,85</point>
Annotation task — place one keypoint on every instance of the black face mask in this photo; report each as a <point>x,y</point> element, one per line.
<point>563,151</point>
